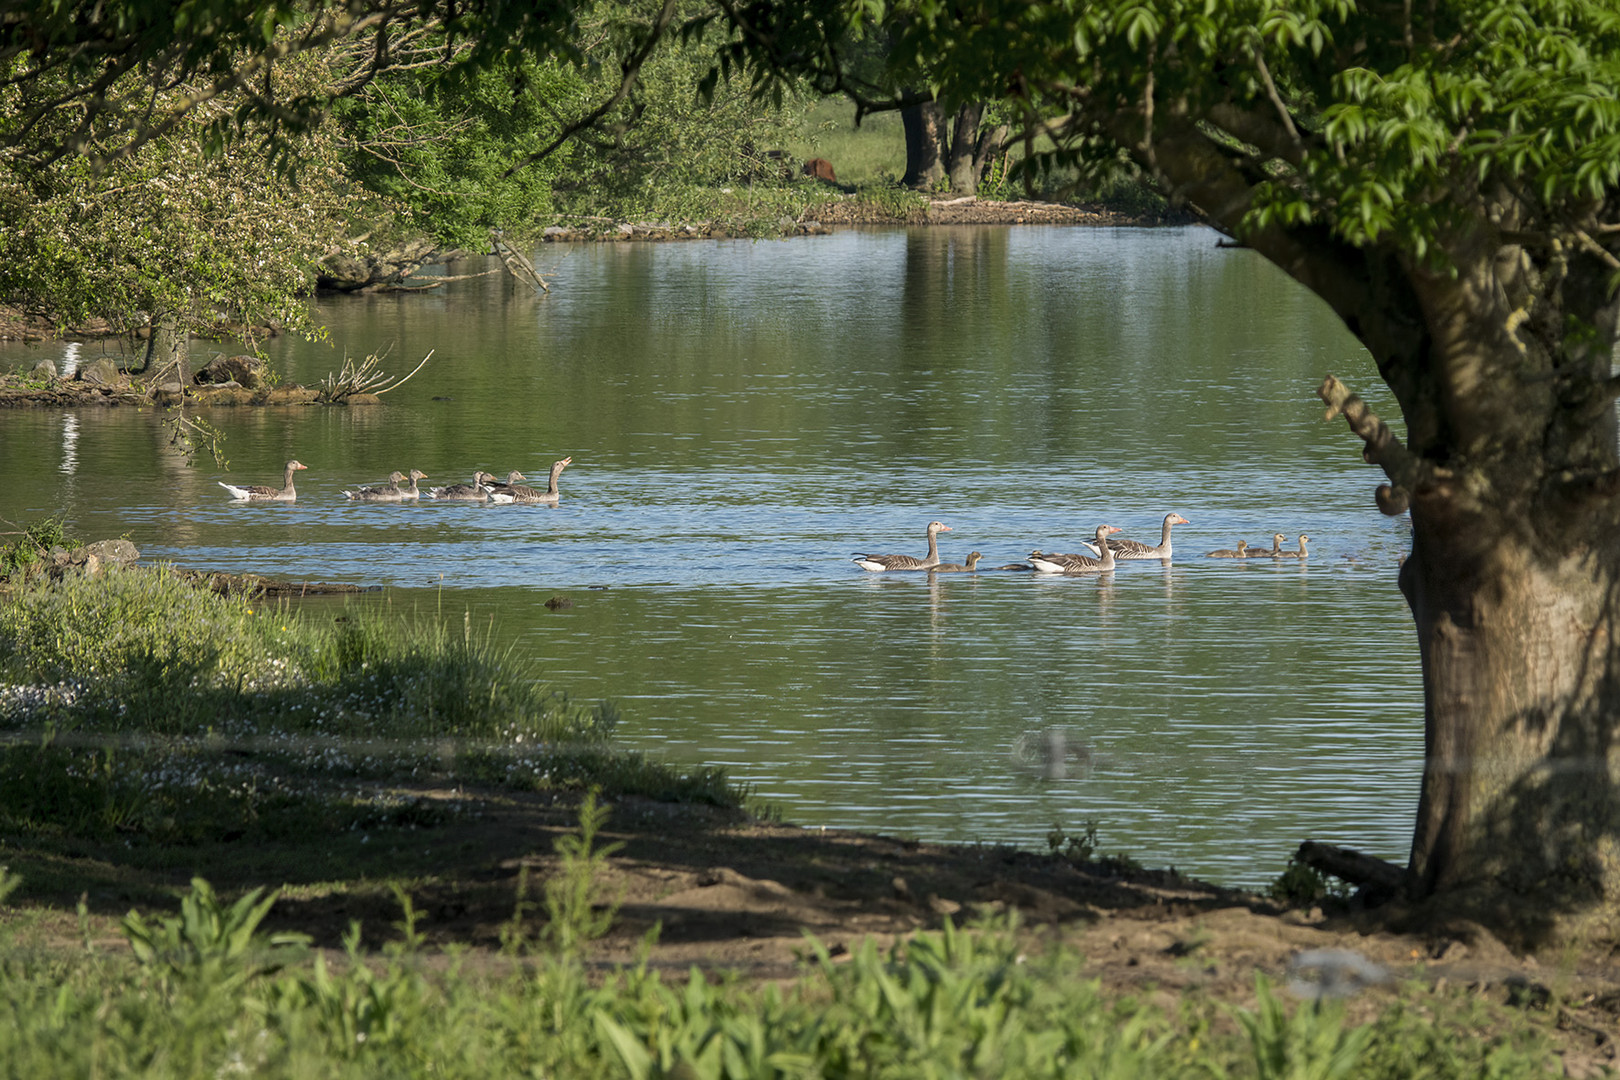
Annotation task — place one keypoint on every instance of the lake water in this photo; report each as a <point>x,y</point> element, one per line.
<point>744,416</point>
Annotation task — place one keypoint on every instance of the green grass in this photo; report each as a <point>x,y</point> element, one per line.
<point>33,544</point>
<point>204,994</point>
<point>136,707</point>
<point>874,152</point>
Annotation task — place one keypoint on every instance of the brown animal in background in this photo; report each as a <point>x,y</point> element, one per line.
<point>820,169</point>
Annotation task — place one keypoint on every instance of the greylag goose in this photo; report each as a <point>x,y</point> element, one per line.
<point>1079,564</point>
<point>957,568</point>
<point>1268,553</point>
<point>473,492</point>
<point>877,564</point>
<point>1135,549</point>
<point>261,493</point>
<point>1059,564</point>
<point>1300,554</point>
<point>390,492</point>
<point>1228,553</point>
<point>413,492</point>
<point>523,493</point>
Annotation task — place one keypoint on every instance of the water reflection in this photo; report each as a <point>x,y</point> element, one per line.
<point>742,416</point>
<point>70,443</point>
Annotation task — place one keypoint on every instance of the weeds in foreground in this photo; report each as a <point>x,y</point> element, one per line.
<point>210,946</point>
<point>572,917</point>
<point>1312,1044</point>
<point>960,1002</point>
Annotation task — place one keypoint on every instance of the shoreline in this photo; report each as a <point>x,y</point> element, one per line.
<point>820,219</point>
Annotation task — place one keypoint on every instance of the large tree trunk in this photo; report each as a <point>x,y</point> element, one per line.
<point>1518,810</point>
<point>1510,469</point>
<point>925,139</point>
<point>962,165</point>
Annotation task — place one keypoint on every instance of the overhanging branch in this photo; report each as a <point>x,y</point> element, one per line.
<point>1404,469</point>
<point>630,72</point>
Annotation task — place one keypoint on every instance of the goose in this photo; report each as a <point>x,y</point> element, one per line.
<point>877,564</point>
<point>1300,554</point>
<point>523,493</point>
<point>1135,549</point>
<point>261,493</point>
<point>1059,564</point>
<point>1228,553</point>
<point>390,492</point>
<point>1268,553</point>
<point>413,492</point>
<point>951,567</point>
<point>1079,564</point>
<point>473,492</point>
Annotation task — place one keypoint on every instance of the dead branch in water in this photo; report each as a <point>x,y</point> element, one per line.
<point>364,377</point>
<point>517,264</point>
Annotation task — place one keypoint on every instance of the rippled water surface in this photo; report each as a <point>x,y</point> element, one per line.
<point>744,416</point>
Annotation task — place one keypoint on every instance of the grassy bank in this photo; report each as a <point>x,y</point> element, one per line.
<point>141,713</point>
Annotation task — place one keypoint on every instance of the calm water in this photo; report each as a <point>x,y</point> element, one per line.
<point>745,416</point>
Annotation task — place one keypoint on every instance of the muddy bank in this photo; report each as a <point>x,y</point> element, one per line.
<point>852,210</point>
<point>91,560</point>
<point>19,392</point>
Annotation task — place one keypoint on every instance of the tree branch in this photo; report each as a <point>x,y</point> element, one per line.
<point>630,72</point>
<point>1276,98</point>
<point>1353,866</point>
<point>1404,469</point>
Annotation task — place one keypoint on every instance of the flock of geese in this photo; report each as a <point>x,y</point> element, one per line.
<point>1104,553</point>
<point>484,488</point>
<point>1102,557</point>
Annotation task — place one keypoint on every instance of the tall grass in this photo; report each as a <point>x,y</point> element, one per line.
<point>149,652</point>
<point>135,705</point>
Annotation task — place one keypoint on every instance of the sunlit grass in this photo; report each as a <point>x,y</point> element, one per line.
<point>875,151</point>
<point>135,705</point>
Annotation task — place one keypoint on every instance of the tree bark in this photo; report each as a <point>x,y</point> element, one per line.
<point>168,348</point>
<point>925,136</point>
<point>990,145</point>
<point>1501,364</point>
<point>961,164</point>
<point>1513,580</point>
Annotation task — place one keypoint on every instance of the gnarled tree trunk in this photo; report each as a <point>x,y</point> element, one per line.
<point>1502,362</point>
<point>1510,469</point>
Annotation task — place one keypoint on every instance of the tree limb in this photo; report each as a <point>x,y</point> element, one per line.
<point>1351,865</point>
<point>630,71</point>
<point>1404,469</point>
<point>1276,98</point>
